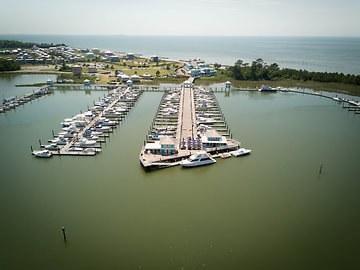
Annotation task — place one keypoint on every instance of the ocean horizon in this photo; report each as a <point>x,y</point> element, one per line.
<point>326,54</point>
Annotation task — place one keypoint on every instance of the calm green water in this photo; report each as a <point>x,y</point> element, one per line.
<point>270,210</point>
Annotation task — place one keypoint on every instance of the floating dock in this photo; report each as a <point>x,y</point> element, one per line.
<point>13,102</point>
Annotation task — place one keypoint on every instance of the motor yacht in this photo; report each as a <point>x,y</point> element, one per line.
<point>42,154</point>
<point>52,147</point>
<point>240,152</point>
<point>198,159</point>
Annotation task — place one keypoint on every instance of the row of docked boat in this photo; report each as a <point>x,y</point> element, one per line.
<point>165,121</point>
<point>82,133</point>
<point>350,102</point>
<point>202,158</point>
<point>13,102</point>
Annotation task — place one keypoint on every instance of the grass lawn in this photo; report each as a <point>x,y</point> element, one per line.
<point>152,71</point>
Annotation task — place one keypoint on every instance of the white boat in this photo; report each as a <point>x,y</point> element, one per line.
<point>240,152</point>
<point>354,103</point>
<point>96,133</point>
<point>198,159</point>
<point>75,149</point>
<point>42,154</point>
<point>225,155</point>
<point>86,143</point>
<point>60,141</point>
<point>92,150</point>
<point>265,88</point>
<point>67,134</point>
<point>52,147</point>
<point>337,99</point>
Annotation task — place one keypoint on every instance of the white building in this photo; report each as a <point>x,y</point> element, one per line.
<point>135,78</point>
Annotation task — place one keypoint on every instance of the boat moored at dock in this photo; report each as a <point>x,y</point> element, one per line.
<point>200,158</point>
<point>240,152</point>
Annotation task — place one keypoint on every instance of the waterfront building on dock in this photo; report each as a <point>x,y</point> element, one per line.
<point>213,139</point>
<point>227,86</point>
<point>86,82</point>
<point>49,82</point>
<point>165,146</point>
<point>129,83</point>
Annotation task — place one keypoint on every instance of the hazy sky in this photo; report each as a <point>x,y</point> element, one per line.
<point>182,17</point>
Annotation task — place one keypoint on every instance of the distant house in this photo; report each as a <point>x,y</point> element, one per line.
<point>154,58</point>
<point>89,55</point>
<point>76,70</point>
<point>125,78</point>
<point>135,78</point>
<point>212,139</point>
<point>92,69</point>
<point>96,51</point>
<point>130,56</point>
<point>147,76</point>
<point>195,72</point>
<point>114,58</point>
<point>108,53</point>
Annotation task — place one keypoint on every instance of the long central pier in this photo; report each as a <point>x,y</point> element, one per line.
<point>187,119</point>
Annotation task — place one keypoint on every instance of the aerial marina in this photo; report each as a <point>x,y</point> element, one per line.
<point>188,123</point>
<point>145,169</point>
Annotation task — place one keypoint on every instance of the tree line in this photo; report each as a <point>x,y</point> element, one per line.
<point>6,65</point>
<point>14,44</point>
<point>259,70</point>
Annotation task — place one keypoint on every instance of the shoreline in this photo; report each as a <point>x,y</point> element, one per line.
<point>351,90</point>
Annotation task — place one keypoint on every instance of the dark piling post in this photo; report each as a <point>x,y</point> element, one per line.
<point>64,234</point>
<point>40,142</point>
<point>321,166</point>
<point>31,148</point>
<point>53,133</point>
